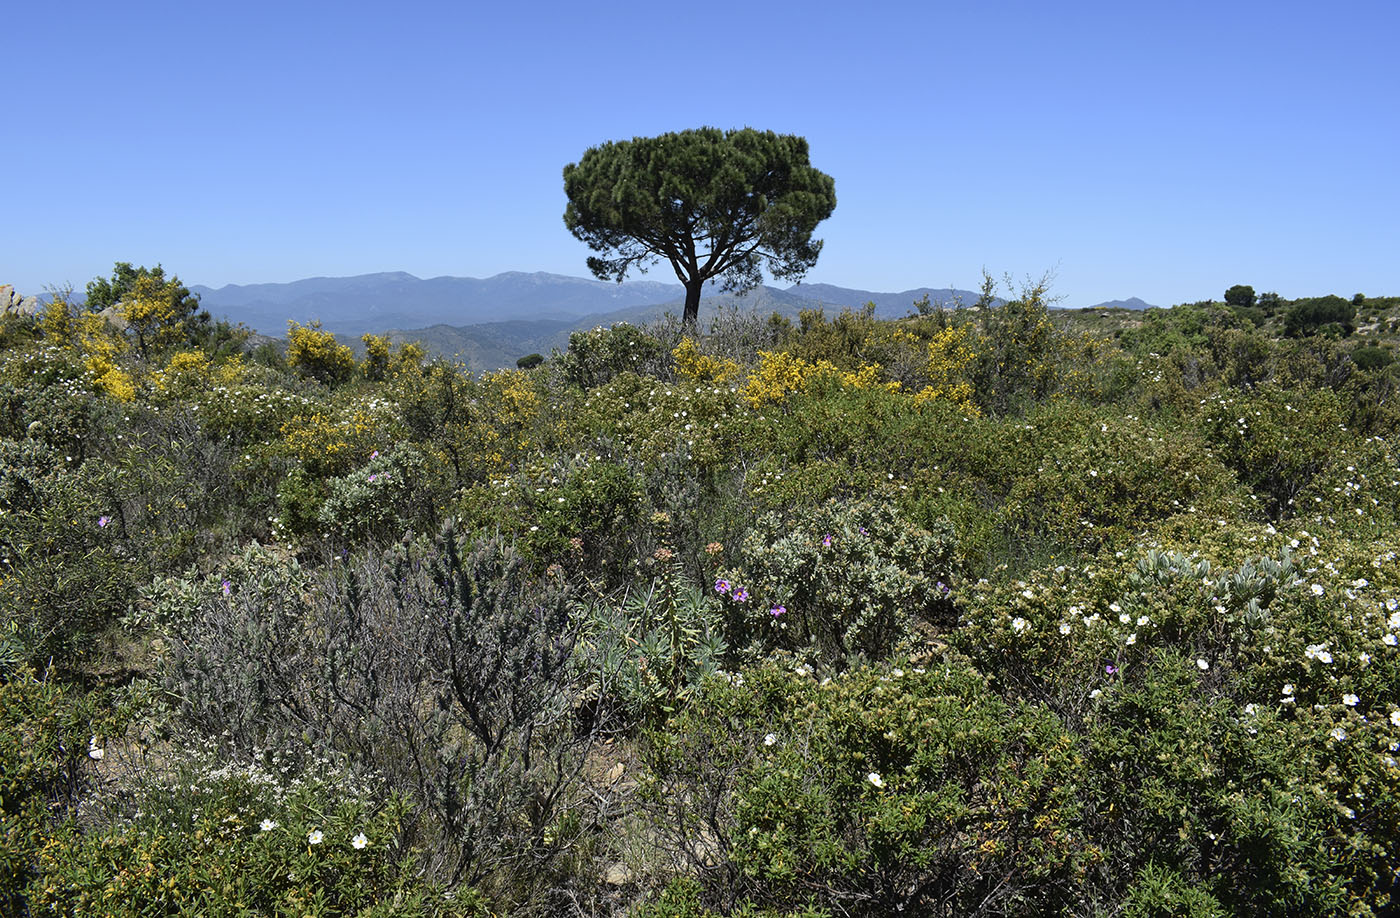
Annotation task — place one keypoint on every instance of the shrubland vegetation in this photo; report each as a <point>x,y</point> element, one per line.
<point>986,611</point>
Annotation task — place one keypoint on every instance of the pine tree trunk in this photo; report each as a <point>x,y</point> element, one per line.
<point>692,304</point>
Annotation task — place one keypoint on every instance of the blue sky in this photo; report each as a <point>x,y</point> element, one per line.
<point>1160,150</point>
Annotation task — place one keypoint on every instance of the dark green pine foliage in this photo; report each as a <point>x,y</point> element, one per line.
<point>722,205</point>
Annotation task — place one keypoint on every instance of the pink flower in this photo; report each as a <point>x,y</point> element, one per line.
<point>721,585</point>
<point>826,540</point>
<point>228,588</point>
<point>778,610</point>
<point>102,521</point>
<point>741,595</point>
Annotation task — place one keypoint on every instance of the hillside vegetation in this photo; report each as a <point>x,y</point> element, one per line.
<point>986,611</point>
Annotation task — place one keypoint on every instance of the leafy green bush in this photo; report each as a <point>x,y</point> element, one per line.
<point>654,644</point>
<point>212,837</point>
<point>840,580</point>
<point>1236,718</point>
<point>598,355</point>
<point>880,791</point>
<point>52,738</point>
<point>387,496</point>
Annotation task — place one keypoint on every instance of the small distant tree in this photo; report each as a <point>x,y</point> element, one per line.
<point>714,204</point>
<point>1241,295</point>
<point>530,361</point>
<point>1270,302</point>
<point>1326,314</point>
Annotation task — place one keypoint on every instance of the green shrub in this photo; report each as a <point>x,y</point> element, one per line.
<point>880,791</point>
<point>442,665</point>
<point>52,738</point>
<point>840,580</point>
<point>387,496</point>
<point>596,356</point>
<point>212,837</point>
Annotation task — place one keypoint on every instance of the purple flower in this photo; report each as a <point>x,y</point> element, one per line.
<point>778,610</point>
<point>374,477</point>
<point>721,585</point>
<point>374,455</point>
<point>1110,668</point>
<point>864,531</point>
<point>228,588</point>
<point>741,595</point>
<point>102,521</point>
<point>942,587</point>
<point>826,540</point>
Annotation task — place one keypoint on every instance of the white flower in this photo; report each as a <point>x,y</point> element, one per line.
<point>770,739</point>
<point>1202,665</point>
<point>315,837</point>
<point>1019,624</point>
<point>267,825</point>
<point>95,751</point>
<point>1317,589</point>
<point>359,841</point>
<point>1028,594</point>
<point>1124,619</point>
<point>1143,620</point>
<point>1064,628</point>
<point>1095,693</point>
<point>1288,689</point>
<point>1338,734</point>
<point>1114,607</point>
<point>1318,652</point>
<point>875,779</point>
<point>1350,700</point>
<point>1395,718</point>
<point>1389,639</point>
<point>1251,708</point>
<point>1130,639</point>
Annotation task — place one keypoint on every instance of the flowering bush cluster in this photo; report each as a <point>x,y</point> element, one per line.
<point>842,580</point>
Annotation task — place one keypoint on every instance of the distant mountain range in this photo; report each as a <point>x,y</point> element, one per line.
<point>494,321</point>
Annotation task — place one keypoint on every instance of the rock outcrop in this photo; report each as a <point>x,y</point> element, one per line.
<point>12,302</point>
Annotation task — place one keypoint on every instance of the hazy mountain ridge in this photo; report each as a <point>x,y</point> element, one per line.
<point>492,322</point>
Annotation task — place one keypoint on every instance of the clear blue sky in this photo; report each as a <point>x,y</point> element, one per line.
<point>1161,150</point>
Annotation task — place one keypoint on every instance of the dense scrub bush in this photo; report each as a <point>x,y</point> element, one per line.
<point>443,666</point>
<point>1211,701</point>
<point>1082,479</point>
<point>596,356</point>
<point>388,495</point>
<point>52,738</point>
<point>1276,441</point>
<point>833,582</point>
<point>63,578</point>
<point>884,790</point>
<point>205,835</point>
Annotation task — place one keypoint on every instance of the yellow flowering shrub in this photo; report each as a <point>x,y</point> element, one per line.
<point>332,444</point>
<point>314,352</point>
<point>504,427</point>
<point>692,364</point>
<point>950,355</point>
<point>779,374</point>
<point>184,371</point>
<point>101,349</point>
